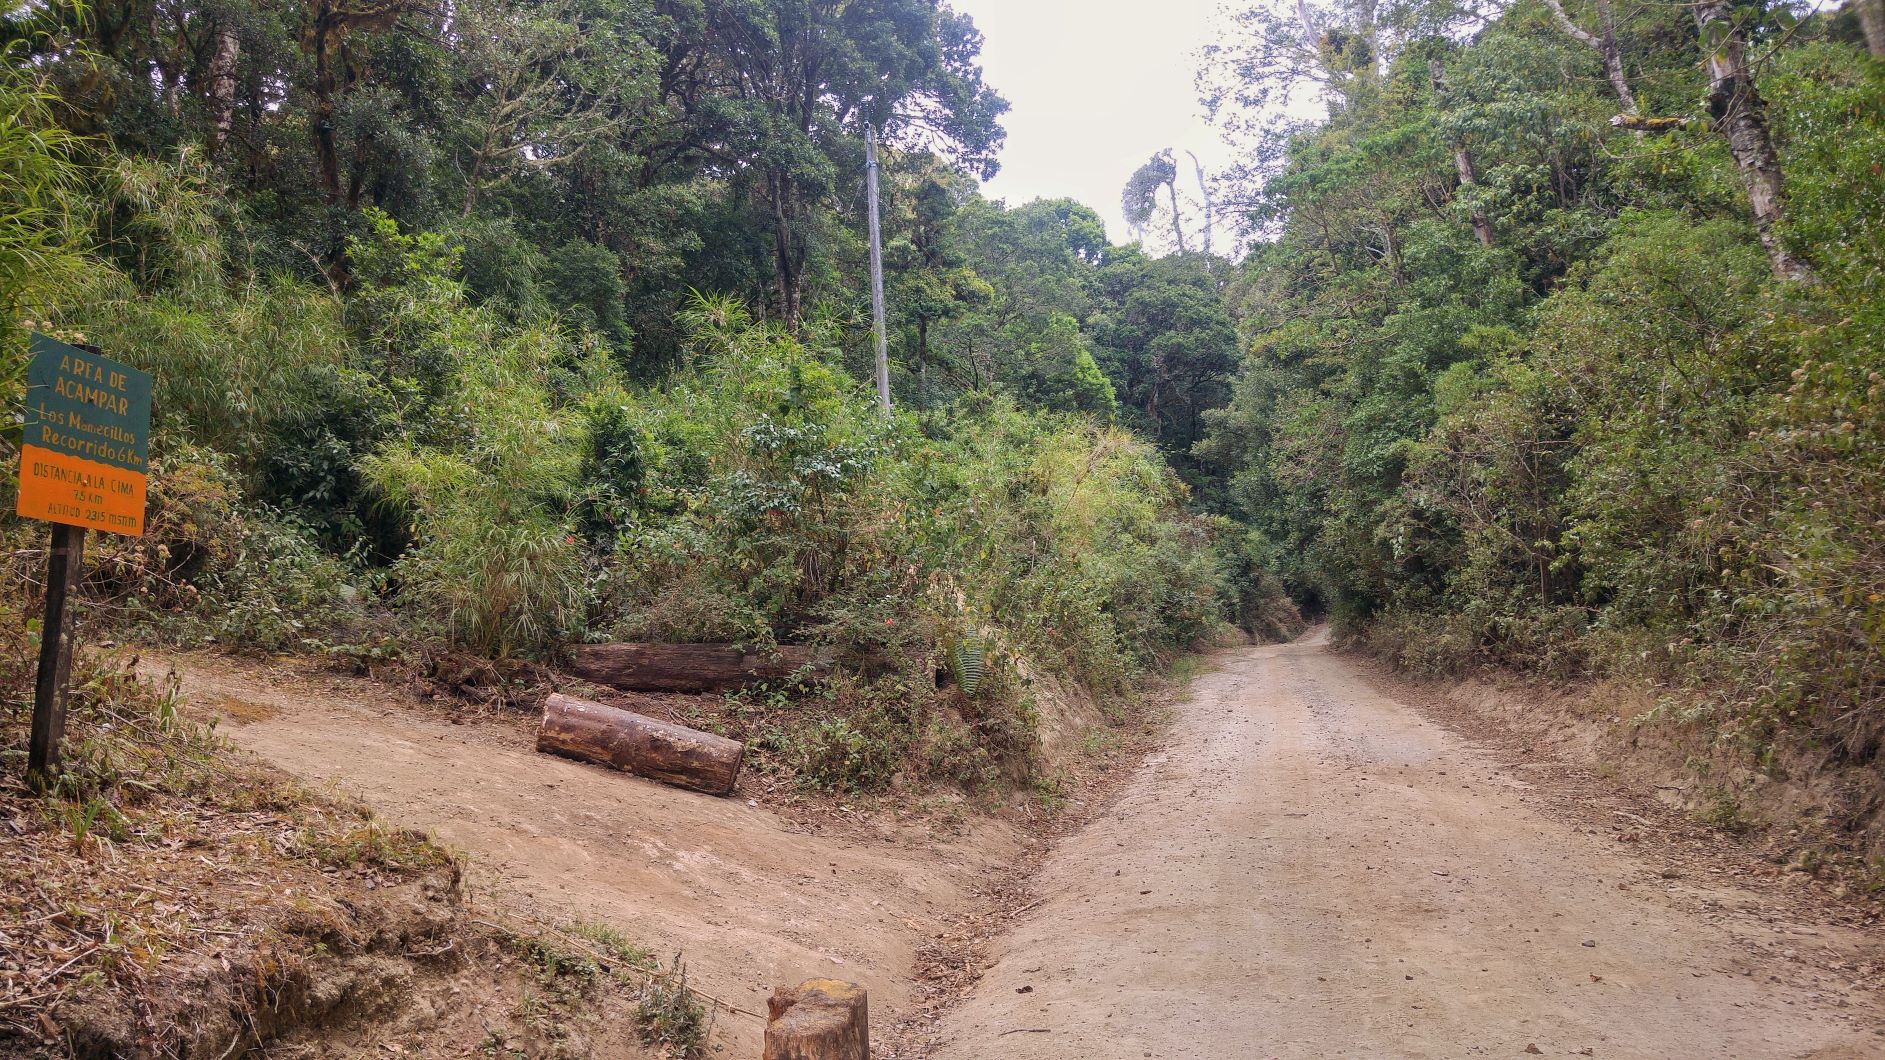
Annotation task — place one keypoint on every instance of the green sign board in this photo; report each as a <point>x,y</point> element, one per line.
<point>87,439</point>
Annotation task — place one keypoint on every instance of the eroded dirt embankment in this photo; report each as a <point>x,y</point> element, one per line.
<point>1801,808</point>
<point>1312,869</point>
<point>752,898</point>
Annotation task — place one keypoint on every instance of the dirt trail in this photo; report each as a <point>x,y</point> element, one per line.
<point>752,898</point>
<point>1311,869</point>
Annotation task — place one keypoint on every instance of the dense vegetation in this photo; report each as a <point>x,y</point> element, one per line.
<point>490,327</point>
<point>1552,342</point>
<point>1564,335</point>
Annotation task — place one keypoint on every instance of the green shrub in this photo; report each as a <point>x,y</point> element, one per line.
<point>846,755</point>
<point>492,510</point>
<point>212,565</point>
<point>772,502</point>
<point>671,1016</point>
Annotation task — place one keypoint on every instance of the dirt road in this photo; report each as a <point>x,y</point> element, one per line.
<point>1311,869</point>
<point>752,898</point>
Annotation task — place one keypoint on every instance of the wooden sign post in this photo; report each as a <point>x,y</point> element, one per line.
<point>82,466</point>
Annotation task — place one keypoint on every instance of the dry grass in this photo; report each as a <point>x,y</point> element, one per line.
<point>237,709</point>
<point>168,893</point>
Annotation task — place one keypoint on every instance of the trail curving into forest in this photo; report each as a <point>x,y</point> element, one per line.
<point>1312,869</point>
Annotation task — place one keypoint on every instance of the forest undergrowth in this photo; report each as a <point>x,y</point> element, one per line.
<point>1548,343</point>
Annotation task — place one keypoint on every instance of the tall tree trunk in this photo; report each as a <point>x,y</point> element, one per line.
<point>165,58</point>
<point>326,23</point>
<point>922,357</point>
<point>1463,162</point>
<point>1178,217</point>
<point>1613,56</point>
<point>1604,43</point>
<point>1151,394</point>
<point>1391,244</point>
<point>474,180</point>
<point>1872,20</point>
<point>222,87</point>
<point>1482,225</point>
<point>1210,206</point>
<point>1739,115</point>
<point>788,256</point>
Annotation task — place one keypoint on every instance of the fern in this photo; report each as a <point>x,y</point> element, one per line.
<point>968,659</point>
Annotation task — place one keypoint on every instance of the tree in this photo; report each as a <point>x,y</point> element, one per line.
<point>1139,201</point>
<point>543,82</point>
<point>1277,56</point>
<point>1060,372</point>
<point>1740,115</point>
<point>931,279</point>
<point>326,27</point>
<point>1166,340</point>
<point>1463,163</point>
<point>1277,60</point>
<point>1209,200</point>
<point>1604,42</point>
<point>1038,262</point>
<point>783,88</point>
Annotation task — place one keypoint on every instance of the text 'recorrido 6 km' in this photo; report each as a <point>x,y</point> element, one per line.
<point>86,441</point>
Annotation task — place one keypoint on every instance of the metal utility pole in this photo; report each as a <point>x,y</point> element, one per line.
<point>877,271</point>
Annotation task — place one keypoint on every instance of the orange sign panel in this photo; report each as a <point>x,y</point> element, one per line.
<point>63,488</point>
<point>86,440</point>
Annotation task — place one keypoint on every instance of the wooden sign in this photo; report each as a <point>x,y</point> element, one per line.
<point>83,458</point>
<point>87,437</point>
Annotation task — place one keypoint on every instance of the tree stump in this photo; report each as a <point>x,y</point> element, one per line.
<point>659,750</point>
<point>820,1019</point>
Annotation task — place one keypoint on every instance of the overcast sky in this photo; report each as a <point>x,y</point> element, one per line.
<point>1097,87</point>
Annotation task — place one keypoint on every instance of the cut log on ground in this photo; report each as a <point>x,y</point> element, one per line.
<point>820,1019</point>
<point>692,667</point>
<point>659,750</point>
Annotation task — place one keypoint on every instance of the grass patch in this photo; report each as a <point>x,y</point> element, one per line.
<point>1186,669</point>
<point>671,1016</point>
<point>1724,811</point>
<point>372,844</point>
<point>583,962</point>
<point>1100,743</point>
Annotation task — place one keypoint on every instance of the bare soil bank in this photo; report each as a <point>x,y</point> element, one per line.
<point>751,896</point>
<point>1791,807</point>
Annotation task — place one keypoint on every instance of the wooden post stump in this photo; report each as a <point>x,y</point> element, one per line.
<point>820,1019</point>
<point>673,754</point>
<point>64,564</point>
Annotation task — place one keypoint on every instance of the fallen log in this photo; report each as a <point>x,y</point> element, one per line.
<point>692,667</point>
<point>1638,123</point>
<point>820,1019</point>
<point>659,750</point>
